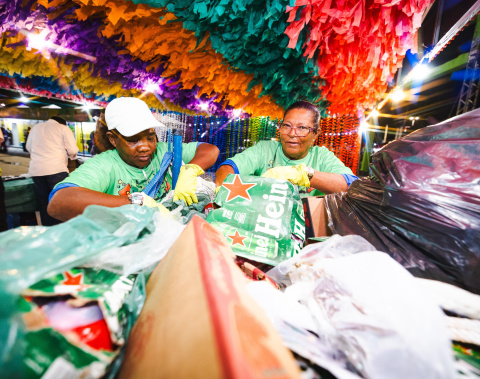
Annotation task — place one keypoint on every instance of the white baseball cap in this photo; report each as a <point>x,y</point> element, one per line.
<point>130,116</point>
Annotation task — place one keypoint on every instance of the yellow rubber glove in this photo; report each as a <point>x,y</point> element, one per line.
<point>294,174</point>
<point>149,202</point>
<point>186,187</point>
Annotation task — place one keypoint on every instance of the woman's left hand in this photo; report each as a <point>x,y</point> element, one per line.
<point>186,187</point>
<point>294,174</point>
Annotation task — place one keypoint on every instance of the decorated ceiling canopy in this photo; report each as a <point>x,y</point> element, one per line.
<point>209,56</point>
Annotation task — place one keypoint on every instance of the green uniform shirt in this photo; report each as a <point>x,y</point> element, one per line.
<point>267,154</point>
<point>108,173</point>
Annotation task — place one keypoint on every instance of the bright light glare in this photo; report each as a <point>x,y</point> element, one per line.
<point>204,106</point>
<point>24,99</point>
<point>237,113</point>
<point>421,71</point>
<point>151,87</point>
<point>86,107</point>
<point>52,106</point>
<point>363,127</point>
<point>374,113</point>
<point>38,41</point>
<point>398,95</point>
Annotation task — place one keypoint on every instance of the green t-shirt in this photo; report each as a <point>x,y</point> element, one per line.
<point>108,173</point>
<point>267,154</point>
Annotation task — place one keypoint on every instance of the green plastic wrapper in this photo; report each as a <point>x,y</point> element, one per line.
<point>262,218</point>
<point>187,212</point>
<point>53,351</point>
<point>29,255</point>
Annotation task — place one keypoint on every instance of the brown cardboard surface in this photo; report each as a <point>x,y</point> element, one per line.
<point>198,320</point>
<point>316,216</point>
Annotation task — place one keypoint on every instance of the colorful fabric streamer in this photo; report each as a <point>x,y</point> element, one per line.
<point>358,46</point>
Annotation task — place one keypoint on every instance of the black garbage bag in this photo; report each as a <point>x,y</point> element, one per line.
<point>421,203</point>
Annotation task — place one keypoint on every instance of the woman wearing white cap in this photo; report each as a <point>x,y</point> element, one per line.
<point>133,160</point>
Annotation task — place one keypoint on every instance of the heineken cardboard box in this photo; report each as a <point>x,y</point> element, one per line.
<point>316,219</point>
<point>261,218</point>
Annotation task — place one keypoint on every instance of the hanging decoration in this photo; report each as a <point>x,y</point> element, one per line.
<point>124,71</point>
<point>358,46</point>
<point>258,56</point>
<point>213,67</point>
<point>341,136</point>
<point>250,36</point>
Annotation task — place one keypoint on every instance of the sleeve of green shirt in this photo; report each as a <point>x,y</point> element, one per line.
<point>94,174</point>
<point>252,160</point>
<point>330,163</point>
<point>188,151</point>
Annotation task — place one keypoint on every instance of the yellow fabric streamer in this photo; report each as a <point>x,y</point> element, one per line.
<point>28,63</point>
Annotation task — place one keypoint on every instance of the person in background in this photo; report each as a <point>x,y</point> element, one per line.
<point>316,170</point>
<point>91,145</point>
<point>3,210</point>
<point>4,139</point>
<point>27,132</point>
<point>129,158</point>
<point>50,144</point>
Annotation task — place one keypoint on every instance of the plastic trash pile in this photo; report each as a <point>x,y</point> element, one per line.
<point>355,312</point>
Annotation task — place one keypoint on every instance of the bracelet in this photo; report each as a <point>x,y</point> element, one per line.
<point>310,172</point>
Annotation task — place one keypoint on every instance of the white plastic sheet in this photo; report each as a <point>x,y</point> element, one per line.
<point>369,314</point>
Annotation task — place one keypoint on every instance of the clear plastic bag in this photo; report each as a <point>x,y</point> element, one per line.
<point>369,315</point>
<point>143,254</point>
<point>334,247</point>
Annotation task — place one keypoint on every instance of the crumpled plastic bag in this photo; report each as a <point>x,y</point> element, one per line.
<point>185,213</point>
<point>334,247</point>
<point>368,315</point>
<point>28,254</point>
<point>205,188</point>
<point>144,254</point>
<point>205,195</point>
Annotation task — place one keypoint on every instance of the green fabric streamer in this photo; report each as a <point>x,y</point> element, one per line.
<point>250,36</point>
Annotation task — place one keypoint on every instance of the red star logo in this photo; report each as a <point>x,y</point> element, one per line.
<point>237,239</point>
<point>238,189</point>
<point>71,280</point>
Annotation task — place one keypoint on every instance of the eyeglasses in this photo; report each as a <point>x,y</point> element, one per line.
<point>300,131</point>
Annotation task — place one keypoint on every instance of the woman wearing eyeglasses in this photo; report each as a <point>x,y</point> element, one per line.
<point>316,170</point>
